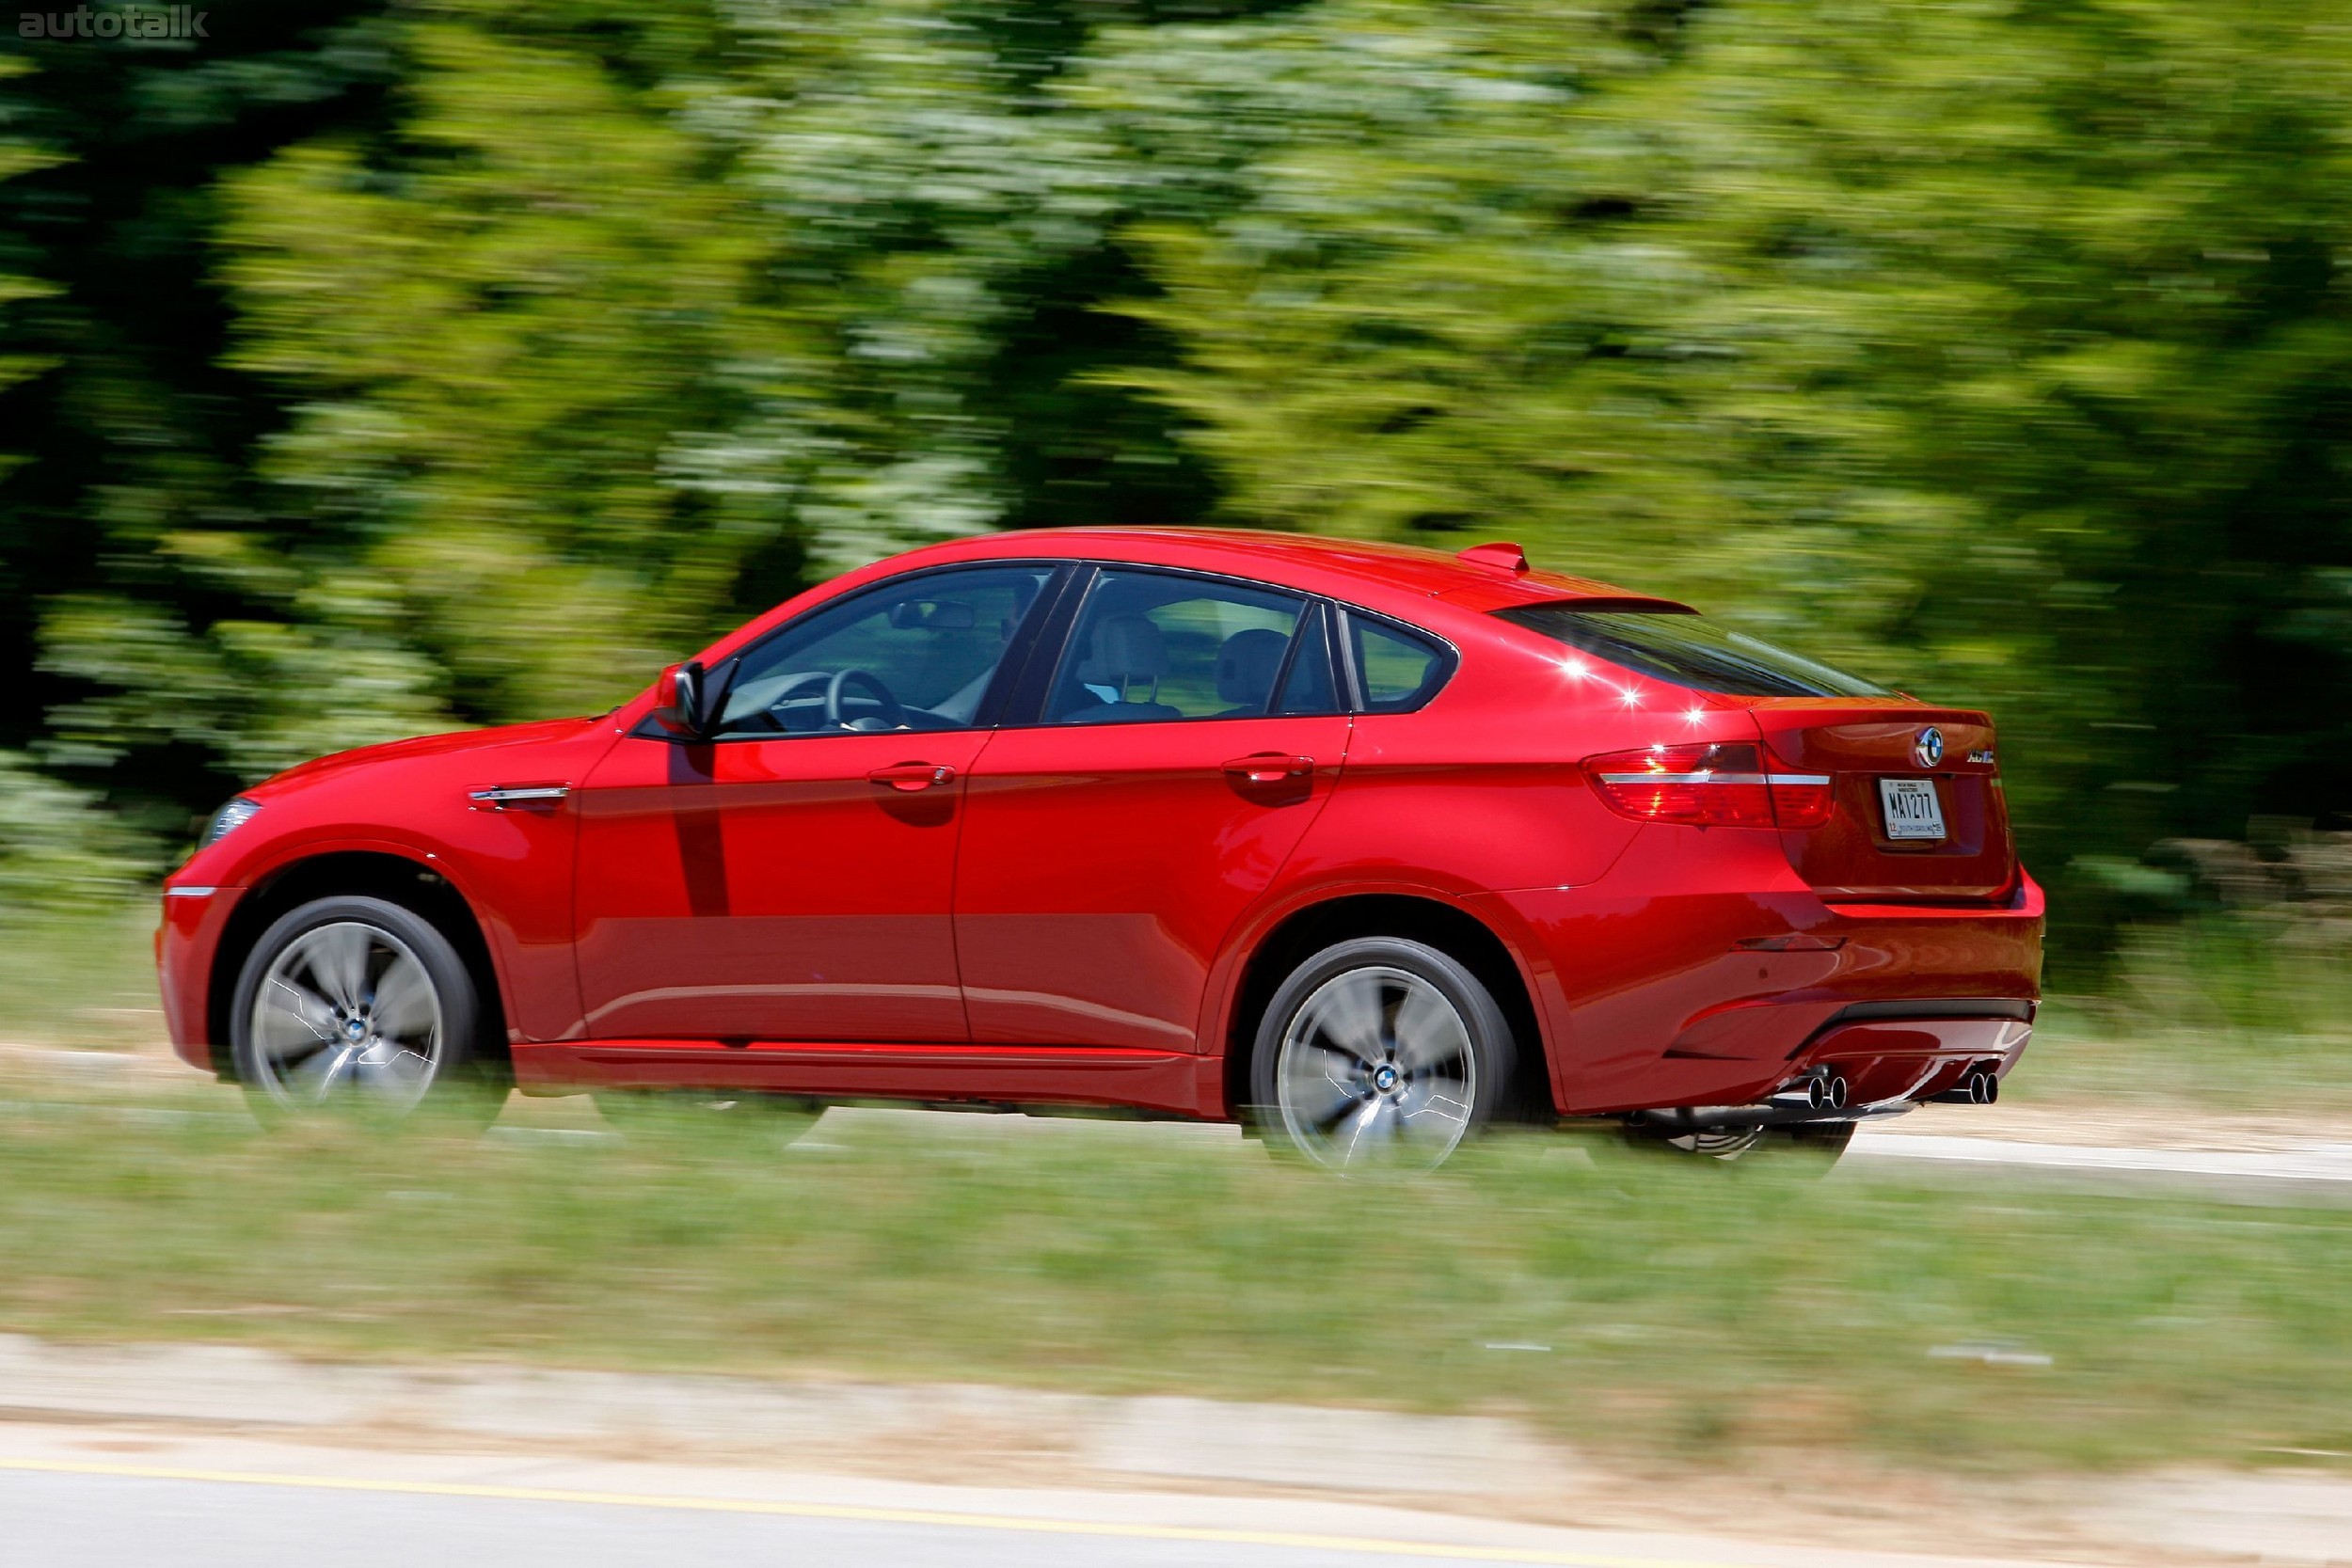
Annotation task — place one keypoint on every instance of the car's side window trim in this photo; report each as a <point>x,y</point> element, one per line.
<point>1056,615</point>
<point>1344,649</point>
<point>1328,615</point>
<point>992,701</point>
<point>1359,696</point>
<point>1314,609</point>
<point>1002,680</point>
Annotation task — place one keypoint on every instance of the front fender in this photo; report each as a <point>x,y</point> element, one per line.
<point>513,865</point>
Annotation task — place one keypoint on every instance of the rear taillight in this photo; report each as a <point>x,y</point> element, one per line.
<point>1802,799</point>
<point>1711,785</point>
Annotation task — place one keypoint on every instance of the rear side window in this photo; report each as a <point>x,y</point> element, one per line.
<point>1686,649</point>
<point>1396,670</point>
<point>1151,647</point>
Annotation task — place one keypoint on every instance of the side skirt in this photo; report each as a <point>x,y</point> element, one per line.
<point>1165,1081</point>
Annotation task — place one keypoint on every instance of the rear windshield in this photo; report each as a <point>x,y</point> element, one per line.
<point>1690,650</point>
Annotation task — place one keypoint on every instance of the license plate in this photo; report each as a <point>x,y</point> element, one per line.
<point>1912,808</point>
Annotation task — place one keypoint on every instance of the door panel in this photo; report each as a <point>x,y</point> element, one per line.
<point>788,880</point>
<point>1103,865</point>
<point>773,890</point>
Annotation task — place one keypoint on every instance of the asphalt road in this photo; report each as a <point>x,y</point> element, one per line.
<point>65,1520</point>
<point>357,1510</point>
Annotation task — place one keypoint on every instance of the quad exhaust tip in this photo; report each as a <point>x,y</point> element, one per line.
<point>1979,1086</point>
<point>1823,1089</point>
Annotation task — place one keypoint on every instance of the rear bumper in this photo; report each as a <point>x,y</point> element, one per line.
<point>1890,1060</point>
<point>1717,995</point>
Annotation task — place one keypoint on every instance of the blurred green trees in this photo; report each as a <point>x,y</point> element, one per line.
<point>400,367</point>
<point>1999,349</point>
<point>141,438</point>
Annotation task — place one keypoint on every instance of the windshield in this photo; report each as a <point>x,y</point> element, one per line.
<point>1687,649</point>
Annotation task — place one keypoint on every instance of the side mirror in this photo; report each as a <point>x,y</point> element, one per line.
<point>681,712</point>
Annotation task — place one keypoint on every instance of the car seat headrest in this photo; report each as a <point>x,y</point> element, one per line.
<point>1246,665</point>
<point>1124,650</point>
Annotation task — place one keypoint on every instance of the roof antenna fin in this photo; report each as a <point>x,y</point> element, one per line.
<point>1502,557</point>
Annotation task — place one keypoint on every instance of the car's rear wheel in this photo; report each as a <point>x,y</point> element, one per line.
<point>1379,1053</point>
<point>778,1118</point>
<point>359,1005</point>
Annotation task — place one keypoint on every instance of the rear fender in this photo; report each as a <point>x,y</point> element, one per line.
<point>1227,1011</point>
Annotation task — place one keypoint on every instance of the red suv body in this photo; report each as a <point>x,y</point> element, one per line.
<point>1049,819</point>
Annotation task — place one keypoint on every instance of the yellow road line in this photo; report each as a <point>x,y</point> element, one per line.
<point>1370,1546</point>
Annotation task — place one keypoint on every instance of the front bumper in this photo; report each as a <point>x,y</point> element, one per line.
<point>194,919</point>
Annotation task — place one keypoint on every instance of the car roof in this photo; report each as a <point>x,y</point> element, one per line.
<point>1377,575</point>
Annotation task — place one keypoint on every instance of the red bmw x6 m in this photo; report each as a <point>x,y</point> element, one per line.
<point>1368,846</point>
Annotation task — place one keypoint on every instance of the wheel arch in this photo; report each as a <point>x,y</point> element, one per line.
<point>1414,916</point>
<point>397,878</point>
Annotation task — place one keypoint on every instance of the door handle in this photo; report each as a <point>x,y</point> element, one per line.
<point>911,776</point>
<point>500,797</point>
<point>1266,768</point>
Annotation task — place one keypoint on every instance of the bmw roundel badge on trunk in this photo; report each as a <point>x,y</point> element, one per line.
<point>1929,748</point>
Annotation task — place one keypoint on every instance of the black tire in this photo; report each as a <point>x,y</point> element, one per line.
<point>1822,1142</point>
<point>775,1118</point>
<point>1316,1080</point>
<point>1804,1147</point>
<point>463,1076</point>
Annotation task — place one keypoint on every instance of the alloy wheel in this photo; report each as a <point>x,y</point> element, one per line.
<point>347,1015</point>
<point>1376,1072</point>
<point>1728,1143</point>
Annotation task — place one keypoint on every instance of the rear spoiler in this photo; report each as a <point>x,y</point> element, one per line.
<point>1524,595</point>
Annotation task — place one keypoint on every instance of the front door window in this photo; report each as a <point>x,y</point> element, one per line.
<point>913,655</point>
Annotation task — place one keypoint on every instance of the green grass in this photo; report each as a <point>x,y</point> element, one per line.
<point>84,980</point>
<point>2250,1011</point>
<point>1687,1316</point>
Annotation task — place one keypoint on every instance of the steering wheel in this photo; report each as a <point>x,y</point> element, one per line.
<point>770,716</point>
<point>888,708</point>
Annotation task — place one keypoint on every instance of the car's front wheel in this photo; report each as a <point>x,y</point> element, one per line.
<point>358,1004</point>
<point>1380,1053</point>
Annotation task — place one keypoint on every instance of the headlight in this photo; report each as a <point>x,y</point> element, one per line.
<point>227,820</point>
